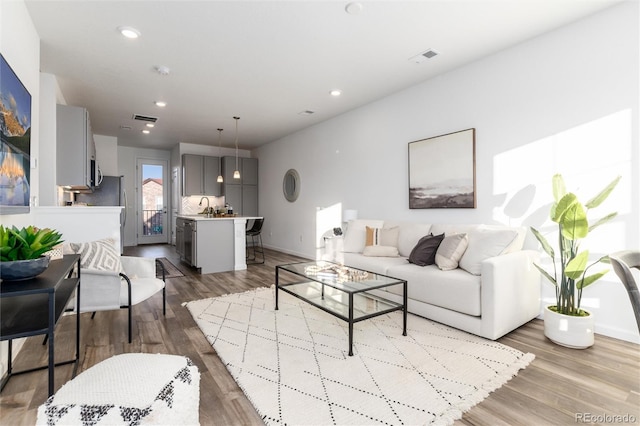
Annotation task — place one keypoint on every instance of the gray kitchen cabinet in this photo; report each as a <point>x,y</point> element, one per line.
<point>211,170</point>
<point>199,175</point>
<point>249,172</point>
<point>250,200</point>
<point>241,194</point>
<point>233,197</point>
<point>75,148</point>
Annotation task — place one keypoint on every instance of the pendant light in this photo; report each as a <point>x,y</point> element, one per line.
<point>220,178</point>
<point>236,173</point>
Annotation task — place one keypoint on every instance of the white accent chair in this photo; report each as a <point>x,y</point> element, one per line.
<point>108,290</point>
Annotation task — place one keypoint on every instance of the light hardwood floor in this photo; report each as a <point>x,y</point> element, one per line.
<point>561,386</point>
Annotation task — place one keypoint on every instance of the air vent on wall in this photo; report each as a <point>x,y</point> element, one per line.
<point>428,54</point>
<point>145,118</point>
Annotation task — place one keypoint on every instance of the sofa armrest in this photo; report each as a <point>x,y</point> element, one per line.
<point>510,292</point>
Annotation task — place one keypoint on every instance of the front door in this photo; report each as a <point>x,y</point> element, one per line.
<point>152,196</point>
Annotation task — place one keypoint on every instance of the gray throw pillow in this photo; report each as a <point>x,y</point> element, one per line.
<point>424,253</point>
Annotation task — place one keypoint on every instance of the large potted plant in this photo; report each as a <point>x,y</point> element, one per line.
<point>22,251</point>
<point>566,323</point>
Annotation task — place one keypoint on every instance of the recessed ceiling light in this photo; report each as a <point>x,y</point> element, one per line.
<point>336,92</point>
<point>146,132</point>
<point>161,104</point>
<point>353,8</point>
<point>129,32</point>
<point>150,125</point>
<point>163,70</point>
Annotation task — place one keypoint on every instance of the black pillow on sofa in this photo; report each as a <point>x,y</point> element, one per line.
<point>424,253</point>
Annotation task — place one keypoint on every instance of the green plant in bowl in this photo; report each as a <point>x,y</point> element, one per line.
<point>26,243</point>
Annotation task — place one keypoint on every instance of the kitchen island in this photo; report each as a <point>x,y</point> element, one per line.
<point>213,244</point>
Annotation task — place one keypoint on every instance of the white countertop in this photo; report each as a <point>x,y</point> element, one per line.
<point>200,217</point>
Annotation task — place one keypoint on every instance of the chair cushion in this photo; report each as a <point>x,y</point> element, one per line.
<point>134,388</point>
<point>141,289</point>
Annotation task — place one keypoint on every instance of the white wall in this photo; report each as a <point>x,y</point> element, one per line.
<point>20,46</point>
<point>563,102</point>
<point>107,154</point>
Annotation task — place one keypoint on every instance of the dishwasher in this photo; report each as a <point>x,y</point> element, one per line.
<point>186,240</point>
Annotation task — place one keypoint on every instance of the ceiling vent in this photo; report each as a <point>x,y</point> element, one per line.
<point>428,54</point>
<point>145,118</point>
<point>125,127</point>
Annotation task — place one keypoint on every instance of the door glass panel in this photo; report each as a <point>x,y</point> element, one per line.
<point>152,200</point>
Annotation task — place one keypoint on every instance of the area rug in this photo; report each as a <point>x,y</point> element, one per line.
<point>171,271</point>
<point>294,367</point>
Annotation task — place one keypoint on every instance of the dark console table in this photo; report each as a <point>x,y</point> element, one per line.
<point>32,307</point>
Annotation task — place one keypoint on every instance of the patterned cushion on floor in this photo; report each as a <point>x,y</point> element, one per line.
<point>131,389</point>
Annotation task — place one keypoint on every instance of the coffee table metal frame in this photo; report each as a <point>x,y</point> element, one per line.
<point>346,295</point>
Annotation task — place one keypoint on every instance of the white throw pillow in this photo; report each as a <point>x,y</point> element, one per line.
<point>101,255</point>
<point>355,236</point>
<point>483,244</point>
<point>381,236</point>
<point>451,250</point>
<point>380,251</point>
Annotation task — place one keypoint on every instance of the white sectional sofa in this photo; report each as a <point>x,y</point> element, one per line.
<point>496,290</point>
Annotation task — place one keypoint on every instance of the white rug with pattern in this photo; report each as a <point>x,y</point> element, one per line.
<point>294,367</point>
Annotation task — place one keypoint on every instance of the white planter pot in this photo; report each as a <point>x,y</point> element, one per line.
<point>566,330</point>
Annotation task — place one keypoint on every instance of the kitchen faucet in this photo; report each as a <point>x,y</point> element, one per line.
<point>208,210</point>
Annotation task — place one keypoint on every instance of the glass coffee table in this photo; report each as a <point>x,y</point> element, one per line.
<point>341,291</point>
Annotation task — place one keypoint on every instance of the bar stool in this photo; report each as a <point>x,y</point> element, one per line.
<point>255,233</point>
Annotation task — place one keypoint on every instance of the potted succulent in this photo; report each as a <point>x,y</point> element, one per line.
<point>566,323</point>
<point>22,251</point>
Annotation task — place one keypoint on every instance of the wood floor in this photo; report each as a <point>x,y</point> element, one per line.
<point>561,386</point>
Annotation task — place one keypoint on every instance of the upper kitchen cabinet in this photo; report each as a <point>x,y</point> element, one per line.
<point>199,175</point>
<point>76,167</point>
<point>241,193</point>
<point>248,168</point>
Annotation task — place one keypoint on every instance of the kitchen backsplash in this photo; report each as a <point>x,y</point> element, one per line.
<point>190,204</point>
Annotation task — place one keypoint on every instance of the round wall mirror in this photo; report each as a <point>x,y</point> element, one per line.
<point>291,185</point>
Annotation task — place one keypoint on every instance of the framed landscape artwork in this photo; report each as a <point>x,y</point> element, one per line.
<point>15,138</point>
<point>442,171</point>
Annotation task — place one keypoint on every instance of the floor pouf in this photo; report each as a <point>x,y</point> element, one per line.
<point>128,389</point>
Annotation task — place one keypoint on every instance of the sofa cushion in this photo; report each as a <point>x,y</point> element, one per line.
<point>456,290</point>
<point>485,243</point>
<point>355,236</point>
<point>424,253</point>
<point>381,236</point>
<point>382,251</point>
<point>378,265</point>
<point>408,236</point>
<point>450,251</point>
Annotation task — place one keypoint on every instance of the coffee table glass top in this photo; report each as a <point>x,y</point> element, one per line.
<point>340,277</point>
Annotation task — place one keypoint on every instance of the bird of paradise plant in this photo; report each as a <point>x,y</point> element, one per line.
<point>573,226</point>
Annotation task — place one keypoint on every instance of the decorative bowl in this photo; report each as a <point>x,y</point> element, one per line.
<point>17,270</point>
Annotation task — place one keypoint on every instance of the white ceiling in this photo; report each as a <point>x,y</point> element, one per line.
<point>265,61</point>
